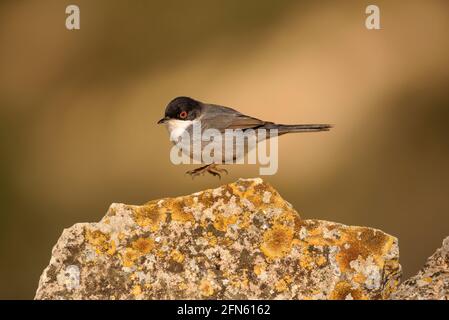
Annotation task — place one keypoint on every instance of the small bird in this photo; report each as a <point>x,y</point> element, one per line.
<point>183,112</point>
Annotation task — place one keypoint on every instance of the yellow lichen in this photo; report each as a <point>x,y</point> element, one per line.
<point>238,281</point>
<point>100,241</point>
<point>206,288</point>
<point>259,269</point>
<point>277,241</point>
<point>112,248</point>
<point>150,215</point>
<point>353,242</point>
<point>254,193</point>
<point>288,217</point>
<point>261,194</point>
<point>138,248</point>
<point>136,290</point>
<point>178,213</point>
<point>344,290</point>
<point>148,285</point>
<point>245,221</point>
<point>389,287</point>
<point>161,253</point>
<point>226,242</point>
<point>182,286</point>
<point>280,286</point>
<point>359,278</point>
<point>306,261</point>
<point>321,261</point>
<point>129,257</point>
<point>143,245</point>
<point>177,256</point>
<point>244,283</point>
<point>221,222</point>
<point>211,239</point>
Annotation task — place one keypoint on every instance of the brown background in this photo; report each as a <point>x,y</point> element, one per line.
<point>78,112</point>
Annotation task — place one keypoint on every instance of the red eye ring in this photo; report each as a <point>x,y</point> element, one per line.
<point>183,115</point>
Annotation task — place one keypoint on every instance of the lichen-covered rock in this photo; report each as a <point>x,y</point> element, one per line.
<point>431,282</point>
<point>239,241</point>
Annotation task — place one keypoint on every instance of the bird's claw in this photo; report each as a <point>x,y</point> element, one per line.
<point>212,169</point>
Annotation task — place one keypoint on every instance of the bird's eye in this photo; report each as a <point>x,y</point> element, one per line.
<point>183,115</point>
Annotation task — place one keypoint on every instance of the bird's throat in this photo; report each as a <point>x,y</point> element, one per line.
<point>176,128</point>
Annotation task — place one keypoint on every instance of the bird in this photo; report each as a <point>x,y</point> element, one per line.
<point>182,113</point>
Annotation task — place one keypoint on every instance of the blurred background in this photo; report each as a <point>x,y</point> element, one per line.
<point>78,112</point>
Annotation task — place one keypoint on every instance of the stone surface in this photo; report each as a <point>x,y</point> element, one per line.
<point>432,282</point>
<point>239,241</point>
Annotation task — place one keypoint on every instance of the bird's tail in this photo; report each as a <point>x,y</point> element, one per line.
<point>287,128</point>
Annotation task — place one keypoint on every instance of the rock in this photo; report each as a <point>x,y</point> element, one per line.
<point>239,241</point>
<point>431,282</point>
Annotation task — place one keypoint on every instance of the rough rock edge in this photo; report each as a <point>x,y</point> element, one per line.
<point>431,282</point>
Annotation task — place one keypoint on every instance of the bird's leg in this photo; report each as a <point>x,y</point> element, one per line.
<point>198,171</point>
<point>216,169</point>
<point>210,168</point>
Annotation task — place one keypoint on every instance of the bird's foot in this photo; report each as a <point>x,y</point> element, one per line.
<point>212,169</point>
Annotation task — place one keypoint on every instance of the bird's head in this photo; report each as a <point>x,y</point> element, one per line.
<point>181,109</point>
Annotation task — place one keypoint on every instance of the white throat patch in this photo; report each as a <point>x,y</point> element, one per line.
<point>176,127</point>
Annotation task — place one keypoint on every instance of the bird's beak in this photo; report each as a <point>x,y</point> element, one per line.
<point>163,120</point>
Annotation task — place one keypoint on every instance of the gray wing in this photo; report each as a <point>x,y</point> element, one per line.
<point>222,118</point>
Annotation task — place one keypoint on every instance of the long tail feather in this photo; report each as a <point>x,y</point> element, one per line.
<point>286,128</point>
